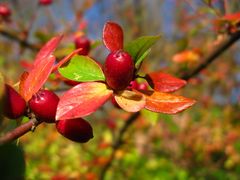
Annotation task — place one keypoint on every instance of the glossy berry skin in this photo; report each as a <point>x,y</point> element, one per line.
<point>77,130</point>
<point>44,105</point>
<point>84,43</point>
<point>4,10</point>
<point>14,104</point>
<point>118,69</point>
<point>45,2</point>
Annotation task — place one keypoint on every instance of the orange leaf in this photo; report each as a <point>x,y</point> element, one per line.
<point>82,100</point>
<point>47,49</point>
<point>164,82</point>
<point>166,103</point>
<point>36,78</point>
<point>113,36</point>
<point>130,101</point>
<point>22,82</point>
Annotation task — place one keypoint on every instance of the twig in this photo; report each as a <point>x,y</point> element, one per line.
<point>209,58</point>
<point>206,61</point>
<point>21,41</point>
<point>18,132</point>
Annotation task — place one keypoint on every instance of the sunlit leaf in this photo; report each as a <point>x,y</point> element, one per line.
<point>163,82</point>
<point>113,36</point>
<point>82,100</point>
<point>166,103</point>
<point>36,78</point>
<point>137,48</point>
<point>82,69</point>
<point>130,101</point>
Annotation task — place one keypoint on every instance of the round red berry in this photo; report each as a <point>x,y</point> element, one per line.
<point>77,130</point>
<point>118,69</point>
<point>14,104</point>
<point>84,43</point>
<point>45,2</point>
<point>4,10</point>
<point>44,105</point>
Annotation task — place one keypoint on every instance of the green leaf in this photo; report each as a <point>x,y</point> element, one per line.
<point>82,69</point>
<point>137,48</point>
<point>140,60</point>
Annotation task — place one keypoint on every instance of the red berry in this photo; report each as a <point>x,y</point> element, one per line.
<point>14,104</point>
<point>45,2</point>
<point>118,70</point>
<point>84,43</point>
<point>44,105</point>
<point>4,10</point>
<point>77,130</point>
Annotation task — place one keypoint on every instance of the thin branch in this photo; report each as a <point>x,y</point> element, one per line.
<point>21,41</point>
<point>209,58</point>
<point>118,143</point>
<point>18,132</point>
<point>212,56</point>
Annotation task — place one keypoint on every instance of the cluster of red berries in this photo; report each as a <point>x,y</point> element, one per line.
<point>44,105</point>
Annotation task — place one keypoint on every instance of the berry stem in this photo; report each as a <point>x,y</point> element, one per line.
<point>18,39</point>
<point>18,132</point>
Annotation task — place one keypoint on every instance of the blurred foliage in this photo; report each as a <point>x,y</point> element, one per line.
<point>200,143</point>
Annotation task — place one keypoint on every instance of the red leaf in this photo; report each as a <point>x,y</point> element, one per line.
<point>82,100</point>
<point>26,65</point>
<point>47,49</point>
<point>164,82</point>
<point>36,78</point>
<point>130,101</point>
<point>113,36</point>
<point>66,59</point>
<point>166,103</point>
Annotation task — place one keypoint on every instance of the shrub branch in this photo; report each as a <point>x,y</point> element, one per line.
<point>207,60</point>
